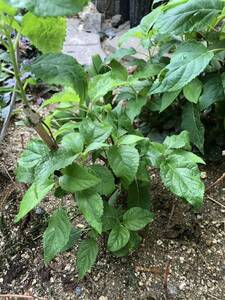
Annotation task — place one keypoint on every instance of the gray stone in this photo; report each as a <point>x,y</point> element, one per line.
<point>92,22</point>
<point>80,44</point>
<point>117,20</point>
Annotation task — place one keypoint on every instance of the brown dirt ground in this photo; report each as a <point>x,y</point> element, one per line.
<point>188,247</point>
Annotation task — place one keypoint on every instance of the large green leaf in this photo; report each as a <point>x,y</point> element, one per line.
<point>57,234</point>
<point>155,153</point>
<point>182,177</point>
<point>192,123</point>
<point>167,99</point>
<point>118,238</point>
<point>100,85</point>
<point>137,218</point>
<point>124,161</point>
<point>86,256</point>
<point>33,197</point>
<point>134,107</point>
<point>47,34</point>
<point>38,162</point>
<point>61,69</point>
<point>68,95</point>
<point>110,217</point>
<point>190,16</point>
<point>192,91</point>
<point>107,184</point>
<point>188,61</point>
<point>94,131</point>
<point>52,8</point>
<point>73,142</point>
<point>179,141</point>
<point>77,178</point>
<point>212,91</point>
<point>91,205</point>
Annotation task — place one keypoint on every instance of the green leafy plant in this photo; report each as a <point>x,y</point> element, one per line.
<point>91,146</point>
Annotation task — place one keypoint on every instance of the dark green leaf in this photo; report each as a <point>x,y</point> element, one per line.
<point>86,256</point>
<point>179,141</point>
<point>110,217</point>
<point>193,90</point>
<point>138,195</point>
<point>61,69</point>
<point>124,161</point>
<point>77,178</point>
<point>192,123</point>
<point>118,238</point>
<point>188,61</point>
<point>167,99</point>
<point>73,142</point>
<point>107,184</point>
<point>137,218</point>
<point>190,16</point>
<point>33,197</point>
<point>91,205</point>
<point>57,235</point>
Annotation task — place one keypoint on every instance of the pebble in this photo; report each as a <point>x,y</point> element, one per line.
<point>182,259</point>
<point>1,280</point>
<point>78,291</point>
<point>39,211</point>
<point>103,298</point>
<point>172,289</point>
<point>159,242</point>
<point>182,285</point>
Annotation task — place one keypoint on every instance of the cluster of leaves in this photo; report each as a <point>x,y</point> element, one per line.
<point>102,159</point>
<point>184,74</point>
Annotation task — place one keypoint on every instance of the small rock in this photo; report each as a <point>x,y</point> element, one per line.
<point>39,211</point>
<point>103,298</point>
<point>78,291</point>
<point>117,20</point>
<point>140,283</point>
<point>182,285</point>
<point>203,175</point>
<point>159,242</point>
<point>1,280</point>
<point>182,259</point>
<point>172,290</point>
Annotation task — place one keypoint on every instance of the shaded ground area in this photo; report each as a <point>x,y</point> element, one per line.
<point>182,255</point>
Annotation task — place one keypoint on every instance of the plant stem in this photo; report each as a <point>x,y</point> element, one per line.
<point>33,117</point>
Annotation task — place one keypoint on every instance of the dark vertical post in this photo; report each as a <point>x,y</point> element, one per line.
<point>138,9</point>
<point>125,9</point>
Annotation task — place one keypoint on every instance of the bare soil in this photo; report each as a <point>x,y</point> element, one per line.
<point>182,255</point>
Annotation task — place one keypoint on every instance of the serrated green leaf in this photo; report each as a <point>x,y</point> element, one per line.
<point>33,196</point>
<point>47,34</point>
<point>155,153</point>
<point>129,139</point>
<point>179,141</point>
<point>46,8</point>
<point>39,161</point>
<point>77,178</point>
<point>182,177</point>
<point>61,69</point>
<point>149,20</point>
<point>134,107</point>
<point>91,205</point>
<point>148,71</point>
<point>100,85</point>
<point>86,256</point>
<point>68,95</point>
<point>190,16</point>
<point>118,238</point>
<point>118,71</point>
<point>132,245</point>
<point>73,142</point>
<point>124,161</point>
<point>167,99</point>
<point>110,217</point>
<point>191,122</point>
<point>94,131</point>
<point>57,234</point>
<point>187,62</point>
<point>107,184</point>
<point>137,218</point>
<point>193,90</point>
<point>189,156</point>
